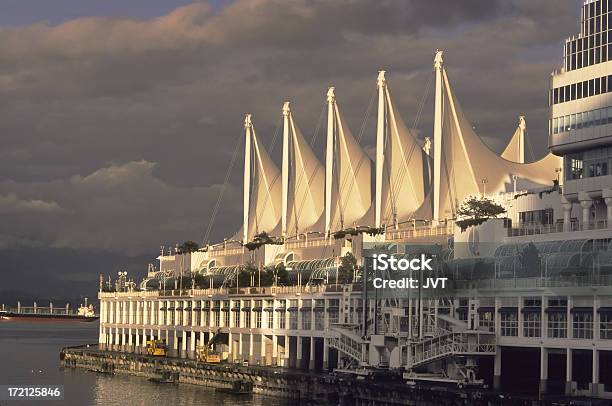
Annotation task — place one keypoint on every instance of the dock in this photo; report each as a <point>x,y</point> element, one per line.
<point>307,387</point>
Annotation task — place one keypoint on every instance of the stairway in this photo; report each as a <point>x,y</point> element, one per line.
<point>469,342</point>
<point>350,343</point>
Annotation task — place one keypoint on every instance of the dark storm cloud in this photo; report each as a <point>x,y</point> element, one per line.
<point>117,132</point>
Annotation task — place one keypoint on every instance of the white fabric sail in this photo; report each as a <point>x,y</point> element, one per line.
<point>352,195</point>
<point>265,201</point>
<point>406,176</point>
<point>307,185</point>
<point>469,166</point>
<point>515,150</point>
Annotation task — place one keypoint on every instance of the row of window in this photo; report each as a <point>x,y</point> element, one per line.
<point>587,164</point>
<point>581,120</point>
<point>595,21</point>
<point>582,325</point>
<point>580,90</point>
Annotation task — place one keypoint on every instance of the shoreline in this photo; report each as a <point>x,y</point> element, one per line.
<point>304,386</point>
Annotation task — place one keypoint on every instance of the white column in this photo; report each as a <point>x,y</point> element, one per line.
<point>240,348</point>
<point>285,168</point>
<point>329,157</point>
<point>311,364</point>
<point>586,203</point>
<point>568,371</point>
<point>543,369</point>
<point>437,135</point>
<point>607,196</point>
<point>325,354</point>
<point>380,145</point>
<point>274,349</point>
<point>251,350</point>
<point>262,350</point>
<point>299,352</point>
<point>595,380</point>
<point>230,345</point>
<point>567,214</point>
<point>497,368</point>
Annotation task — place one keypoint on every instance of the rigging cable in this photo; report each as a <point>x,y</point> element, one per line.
<point>222,191</point>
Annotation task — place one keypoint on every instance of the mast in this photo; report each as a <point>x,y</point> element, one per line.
<point>285,168</point>
<point>437,147</point>
<point>521,140</point>
<point>329,158</point>
<point>380,144</point>
<point>248,127</point>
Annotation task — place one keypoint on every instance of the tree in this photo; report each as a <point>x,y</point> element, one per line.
<point>187,247</point>
<point>260,239</point>
<point>530,260</point>
<point>476,211</point>
<point>348,264</point>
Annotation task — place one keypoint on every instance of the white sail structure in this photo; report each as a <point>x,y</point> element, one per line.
<point>515,150</point>
<point>262,188</point>
<point>303,181</point>
<point>464,165</point>
<point>348,180</point>
<point>402,167</point>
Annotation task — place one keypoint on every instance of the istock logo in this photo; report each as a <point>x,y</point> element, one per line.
<point>384,262</point>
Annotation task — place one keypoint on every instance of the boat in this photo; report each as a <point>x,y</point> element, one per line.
<point>166,377</point>
<point>239,387</point>
<point>85,313</point>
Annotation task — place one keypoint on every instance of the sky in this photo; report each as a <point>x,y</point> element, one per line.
<point>118,119</point>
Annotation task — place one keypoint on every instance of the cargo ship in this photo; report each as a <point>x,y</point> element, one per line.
<point>84,313</point>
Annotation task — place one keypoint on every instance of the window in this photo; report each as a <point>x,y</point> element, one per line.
<point>486,320</point>
<point>226,318</point>
<point>334,316</point>
<point>319,321</point>
<point>605,325</point>
<point>247,319</point>
<point>545,217</point>
<point>531,324</point>
<point>583,324</point>
<point>598,169</point>
<point>293,320</point>
<point>306,320</point>
<point>282,319</point>
<point>509,324</point>
<point>557,324</point>
<point>573,166</point>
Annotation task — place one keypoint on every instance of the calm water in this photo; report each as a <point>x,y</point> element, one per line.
<point>29,355</point>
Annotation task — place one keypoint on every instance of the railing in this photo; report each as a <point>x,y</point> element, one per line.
<point>226,251</point>
<point>307,243</point>
<point>462,343</point>
<point>421,231</point>
<point>349,343</point>
<point>267,290</point>
<point>534,229</point>
<point>535,282</point>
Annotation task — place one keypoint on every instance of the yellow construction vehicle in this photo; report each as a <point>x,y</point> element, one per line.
<point>206,353</point>
<point>157,348</point>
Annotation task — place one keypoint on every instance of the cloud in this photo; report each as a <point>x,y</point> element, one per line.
<point>11,204</point>
<point>122,208</point>
<point>117,132</point>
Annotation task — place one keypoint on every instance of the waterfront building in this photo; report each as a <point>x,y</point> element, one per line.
<point>529,302</point>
